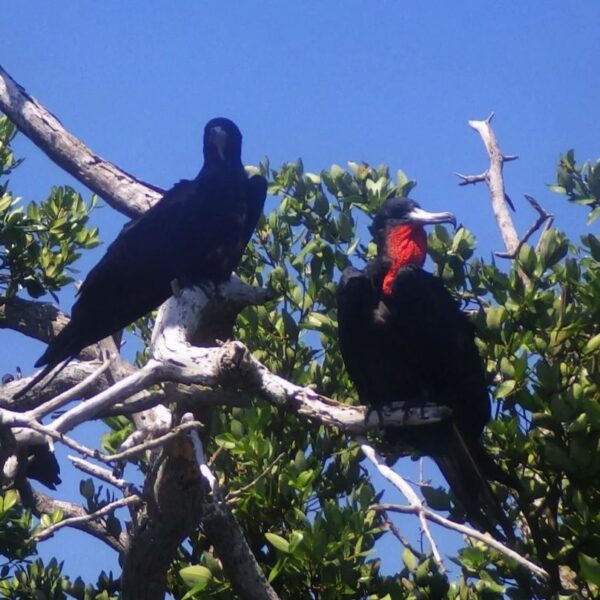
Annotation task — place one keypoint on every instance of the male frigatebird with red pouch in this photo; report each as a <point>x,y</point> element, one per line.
<point>404,339</point>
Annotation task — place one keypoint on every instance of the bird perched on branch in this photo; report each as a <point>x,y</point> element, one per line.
<point>197,232</point>
<point>404,339</point>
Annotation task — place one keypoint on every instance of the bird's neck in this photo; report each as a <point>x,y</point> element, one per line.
<point>404,245</point>
<point>224,169</point>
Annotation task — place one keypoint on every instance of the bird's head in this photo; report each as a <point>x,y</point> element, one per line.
<point>398,230</point>
<point>222,142</point>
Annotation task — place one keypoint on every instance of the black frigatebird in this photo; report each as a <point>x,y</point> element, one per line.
<point>404,339</point>
<point>196,232</point>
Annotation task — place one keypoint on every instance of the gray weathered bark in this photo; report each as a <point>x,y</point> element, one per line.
<point>121,190</point>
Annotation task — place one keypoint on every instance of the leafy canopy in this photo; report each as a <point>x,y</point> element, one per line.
<point>300,491</point>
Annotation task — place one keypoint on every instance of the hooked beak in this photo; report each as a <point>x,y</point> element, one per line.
<point>418,215</point>
<point>218,137</point>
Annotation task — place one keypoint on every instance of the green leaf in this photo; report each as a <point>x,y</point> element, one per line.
<point>436,498</point>
<point>559,189</point>
<point>494,316</point>
<point>86,489</point>
<point>409,559</point>
<point>593,242</point>
<point>505,389</point>
<point>594,214</point>
<point>295,541</point>
<point>317,321</point>
<point>527,259</point>
<point>590,568</point>
<point>195,575</point>
<point>278,542</point>
<point>279,565</point>
<point>9,500</point>
<point>592,345</point>
<point>471,557</point>
<point>226,440</point>
<point>552,248</point>
<point>237,429</point>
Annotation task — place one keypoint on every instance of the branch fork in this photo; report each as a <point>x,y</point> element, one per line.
<point>500,200</point>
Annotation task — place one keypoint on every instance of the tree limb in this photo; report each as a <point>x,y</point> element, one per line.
<point>38,320</point>
<point>227,537</point>
<point>495,182</point>
<point>122,191</point>
<point>101,473</point>
<point>545,218</point>
<point>86,518</point>
<point>40,504</point>
<point>468,531</point>
<point>71,394</point>
<point>472,179</point>
<point>416,506</point>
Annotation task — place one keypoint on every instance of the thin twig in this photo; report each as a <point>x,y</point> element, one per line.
<point>545,218</point>
<point>472,179</point>
<point>71,521</point>
<point>60,437</point>
<point>486,538</point>
<point>91,453</point>
<point>389,524</point>
<point>233,495</point>
<point>150,444</point>
<point>70,394</point>
<point>100,473</point>
<point>415,502</point>
<point>41,504</point>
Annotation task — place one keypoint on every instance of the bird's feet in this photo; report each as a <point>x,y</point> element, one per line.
<point>374,417</point>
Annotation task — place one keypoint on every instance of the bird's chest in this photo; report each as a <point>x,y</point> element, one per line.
<point>223,215</point>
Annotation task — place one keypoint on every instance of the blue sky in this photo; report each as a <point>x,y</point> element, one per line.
<point>386,81</point>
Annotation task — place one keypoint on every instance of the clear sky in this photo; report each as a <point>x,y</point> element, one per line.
<point>383,81</point>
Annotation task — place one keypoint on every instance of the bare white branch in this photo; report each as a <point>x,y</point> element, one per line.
<point>100,473</point>
<point>495,183</point>
<point>70,394</point>
<point>545,219</point>
<point>486,538</point>
<point>205,471</point>
<point>416,505</point>
<point>73,521</point>
<point>122,191</point>
<point>472,179</point>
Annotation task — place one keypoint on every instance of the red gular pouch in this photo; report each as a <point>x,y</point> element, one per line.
<point>404,245</point>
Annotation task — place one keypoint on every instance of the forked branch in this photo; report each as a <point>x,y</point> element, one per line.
<point>545,220</point>
<point>495,181</point>
<point>416,507</point>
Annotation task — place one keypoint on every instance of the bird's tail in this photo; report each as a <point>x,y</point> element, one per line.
<point>62,348</point>
<point>42,375</point>
<point>467,468</point>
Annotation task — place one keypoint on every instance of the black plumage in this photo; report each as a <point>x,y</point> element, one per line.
<point>404,339</point>
<point>42,465</point>
<point>196,232</point>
